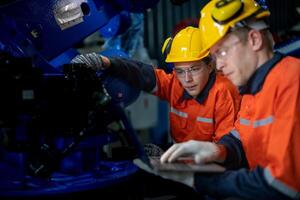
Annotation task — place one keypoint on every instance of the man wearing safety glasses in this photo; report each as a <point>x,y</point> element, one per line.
<point>262,152</point>
<point>203,104</point>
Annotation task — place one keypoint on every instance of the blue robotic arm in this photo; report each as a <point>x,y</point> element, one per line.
<point>52,111</point>
<point>45,29</point>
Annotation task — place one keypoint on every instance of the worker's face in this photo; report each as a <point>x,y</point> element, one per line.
<point>192,75</point>
<point>235,58</point>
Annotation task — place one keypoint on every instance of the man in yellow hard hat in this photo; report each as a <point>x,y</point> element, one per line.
<point>261,153</point>
<point>203,104</point>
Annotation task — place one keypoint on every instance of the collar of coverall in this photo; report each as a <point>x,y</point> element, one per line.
<point>256,81</point>
<point>204,93</point>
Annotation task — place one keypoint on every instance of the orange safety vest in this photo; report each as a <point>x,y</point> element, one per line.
<point>190,119</point>
<point>269,126</point>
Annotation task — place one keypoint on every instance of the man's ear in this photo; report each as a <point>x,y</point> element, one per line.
<point>255,39</point>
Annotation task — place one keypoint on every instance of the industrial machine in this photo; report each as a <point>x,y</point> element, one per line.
<point>60,121</point>
<point>63,129</point>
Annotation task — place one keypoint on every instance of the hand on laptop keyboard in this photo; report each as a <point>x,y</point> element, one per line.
<point>202,152</point>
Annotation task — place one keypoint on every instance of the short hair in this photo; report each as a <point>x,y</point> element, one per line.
<point>207,60</point>
<point>242,34</point>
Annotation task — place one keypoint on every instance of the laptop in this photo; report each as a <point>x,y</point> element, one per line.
<point>183,164</point>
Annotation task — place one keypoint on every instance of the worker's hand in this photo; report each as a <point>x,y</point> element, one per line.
<point>186,178</point>
<point>202,152</point>
<point>93,60</point>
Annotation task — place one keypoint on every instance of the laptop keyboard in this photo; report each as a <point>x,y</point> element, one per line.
<point>155,161</point>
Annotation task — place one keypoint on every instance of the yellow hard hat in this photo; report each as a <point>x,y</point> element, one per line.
<point>185,46</point>
<point>218,16</point>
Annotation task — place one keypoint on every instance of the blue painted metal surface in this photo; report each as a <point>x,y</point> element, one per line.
<point>63,184</point>
<point>45,29</point>
<point>121,93</point>
<point>47,32</point>
<point>117,25</point>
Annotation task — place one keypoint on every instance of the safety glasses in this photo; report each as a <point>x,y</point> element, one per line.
<point>193,70</point>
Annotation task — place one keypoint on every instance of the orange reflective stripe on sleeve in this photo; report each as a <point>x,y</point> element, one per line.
<point>280,186</point>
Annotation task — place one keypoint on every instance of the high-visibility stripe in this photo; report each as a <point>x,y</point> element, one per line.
<point>179,113</point>
<point>280,186</point>
<point>235,133</point>
<point>245,122</point>
<point>204,119</point>
<point>185,115</point>
<point>257,123</point>
<point>263,122</point>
